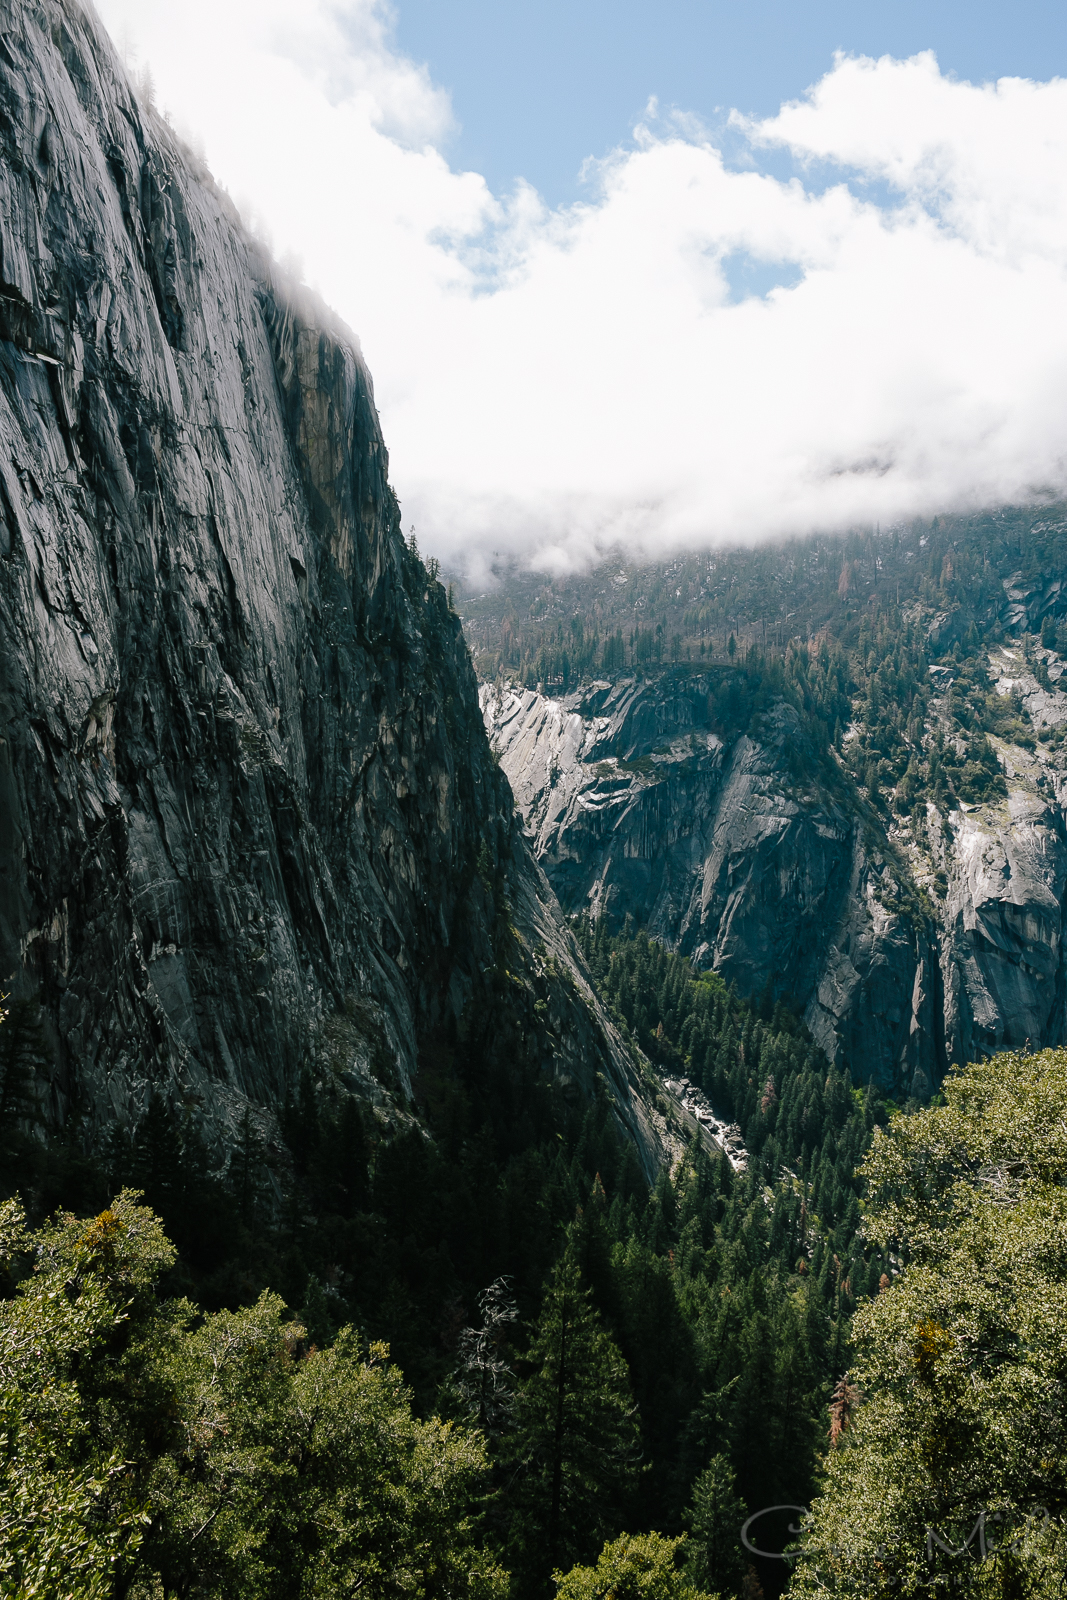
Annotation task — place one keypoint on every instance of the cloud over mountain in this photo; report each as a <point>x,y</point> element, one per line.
<point>853,311</point>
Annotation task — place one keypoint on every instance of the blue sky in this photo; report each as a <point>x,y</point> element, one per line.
<point>538,87</point>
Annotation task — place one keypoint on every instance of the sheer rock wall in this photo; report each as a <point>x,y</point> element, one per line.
<point>248,814</point>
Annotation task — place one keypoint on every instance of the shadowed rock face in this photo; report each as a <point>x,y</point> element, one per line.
<point>635,805</point>
<point>248,814</point>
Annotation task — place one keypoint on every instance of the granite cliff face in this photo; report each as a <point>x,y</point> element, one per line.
<point>1005,883</point>
<point>905,949</point>
<point>249,821</point>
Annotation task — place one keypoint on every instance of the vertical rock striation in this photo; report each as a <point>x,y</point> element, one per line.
<point>248,812</point>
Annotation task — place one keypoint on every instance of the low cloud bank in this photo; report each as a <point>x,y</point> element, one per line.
<point>705,349</point>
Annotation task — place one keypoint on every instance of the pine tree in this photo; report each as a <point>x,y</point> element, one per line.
<point>846,1397</point>
<point>246,1168</point>
<point>577,1440</point>
<point>715,1517</point>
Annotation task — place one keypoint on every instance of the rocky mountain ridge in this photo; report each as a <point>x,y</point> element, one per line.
<point>906,945</point>
<point>249,822</point>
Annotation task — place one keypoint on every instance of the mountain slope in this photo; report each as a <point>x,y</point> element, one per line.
<point>867,822</point>
<point>249,821</point>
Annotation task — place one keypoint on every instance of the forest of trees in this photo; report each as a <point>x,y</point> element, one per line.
<point>804,1126</point>
<point>911,617</point>
<point>713,606</point>
<point>706,1318</point>
<point>688,1360</point>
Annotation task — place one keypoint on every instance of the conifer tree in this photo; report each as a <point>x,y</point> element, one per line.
<point>715,1517</point>
<point>577,1439</point>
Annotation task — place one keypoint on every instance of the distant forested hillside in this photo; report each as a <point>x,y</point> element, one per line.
<point>839,764</point>
<point>623,616</point>
<point>846,629</point>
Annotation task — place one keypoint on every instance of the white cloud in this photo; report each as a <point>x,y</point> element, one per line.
<point>549,381</point>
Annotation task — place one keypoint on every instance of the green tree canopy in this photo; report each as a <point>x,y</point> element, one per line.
<point>147,1448</point>
<point>73,1394</point>
<point>633,1567</point>
<point>952,1477</point>
<point>714,1519</point>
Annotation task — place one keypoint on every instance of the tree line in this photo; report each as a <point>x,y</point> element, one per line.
<point>688,608</point>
